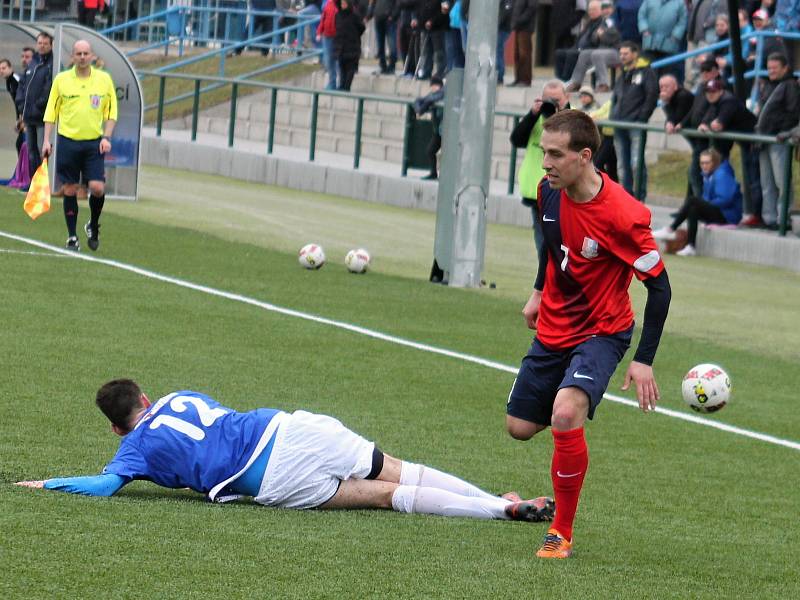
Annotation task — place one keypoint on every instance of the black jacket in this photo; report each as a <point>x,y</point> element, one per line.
<point>12,85</point>
<point>521,134</point>
<point>383,10</point>
<point>431,10</point>
<point>635,94</point>
<point>34,88</point>
<point>523,15</point>
<point>679,106</point>
<point>591,38</point>
<point>780,105</point>
<point>347,41</point>
<point>504,16</point>
<point>733,115</point>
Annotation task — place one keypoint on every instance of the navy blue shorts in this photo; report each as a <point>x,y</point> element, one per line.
<point>588,366</point>
<point>79,157</point>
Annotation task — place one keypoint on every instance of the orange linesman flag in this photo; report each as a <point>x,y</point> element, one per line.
<point>37,202</point>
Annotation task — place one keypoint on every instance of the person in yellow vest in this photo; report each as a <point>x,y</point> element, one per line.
<point>83,101</point>
<point>527,134</point>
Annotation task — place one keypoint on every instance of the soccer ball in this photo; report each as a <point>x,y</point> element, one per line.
<point>311,256</point>
<point>706,388</point>
<point>357,261</point>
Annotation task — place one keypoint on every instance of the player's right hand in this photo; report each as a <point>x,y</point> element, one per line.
<point>531,309</point>
<point>31,484</point>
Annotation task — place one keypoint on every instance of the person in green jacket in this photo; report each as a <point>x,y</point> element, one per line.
<point>527,134</point>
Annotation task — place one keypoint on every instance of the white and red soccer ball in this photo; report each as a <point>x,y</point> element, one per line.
<point>706,388</point>
<point>357,260</point>
<point>311,256</point>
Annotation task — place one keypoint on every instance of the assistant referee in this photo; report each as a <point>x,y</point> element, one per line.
<point>84,102</point>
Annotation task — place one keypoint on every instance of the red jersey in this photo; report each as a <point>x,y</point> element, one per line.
<point>594,248</point>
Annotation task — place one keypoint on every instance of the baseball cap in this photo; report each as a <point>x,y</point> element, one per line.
<point>715,85</point>
<point>761,14</point>
<point>708,64</point>
<point>586,89</point>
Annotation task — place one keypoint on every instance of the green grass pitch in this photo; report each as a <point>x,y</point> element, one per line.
<point>670,509</point>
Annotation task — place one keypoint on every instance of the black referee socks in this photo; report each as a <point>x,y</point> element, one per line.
<point>71,214</point>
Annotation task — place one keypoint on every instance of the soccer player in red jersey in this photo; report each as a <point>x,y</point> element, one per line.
<point>596,237</point>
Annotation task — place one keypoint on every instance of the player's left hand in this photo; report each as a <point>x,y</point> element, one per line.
<point>31,484</point>
<point>105,146</point>
<point>646,388</point>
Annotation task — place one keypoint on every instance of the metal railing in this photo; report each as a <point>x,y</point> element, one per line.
<point>756,71</point>
<point>361,98</point>
<point>25,11</point>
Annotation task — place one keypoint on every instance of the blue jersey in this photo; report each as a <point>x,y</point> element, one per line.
<point>188,439</point>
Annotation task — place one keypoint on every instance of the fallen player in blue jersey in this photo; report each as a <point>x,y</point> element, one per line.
<point>298,460</point>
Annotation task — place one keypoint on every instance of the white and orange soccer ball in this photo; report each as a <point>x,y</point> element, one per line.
<point>311,256</point>
<point>706,388</point>
<point>357,260</point>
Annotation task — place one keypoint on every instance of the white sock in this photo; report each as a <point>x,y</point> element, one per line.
<point>413,474</point>
<point>433,501</point>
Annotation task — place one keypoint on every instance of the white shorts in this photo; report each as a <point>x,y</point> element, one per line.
<point>312,454</point>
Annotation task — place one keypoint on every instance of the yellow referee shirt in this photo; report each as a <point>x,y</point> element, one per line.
<point>81,104</point>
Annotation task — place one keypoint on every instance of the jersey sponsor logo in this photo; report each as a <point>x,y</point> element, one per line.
<point>95,99</point>
<point>590,248</point>
<point>547,219</point>
<point>577,375</point>
<point>647,261</point>
<point>565,475</point>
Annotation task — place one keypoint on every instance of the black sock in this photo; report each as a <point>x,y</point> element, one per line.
<point>96,206</point>
<point>71,214</point>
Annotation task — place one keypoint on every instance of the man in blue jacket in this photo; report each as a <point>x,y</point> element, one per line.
<point>32,94</point>
<point>721,203</point>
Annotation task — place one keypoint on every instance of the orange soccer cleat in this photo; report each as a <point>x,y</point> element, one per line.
<point>555,546</point>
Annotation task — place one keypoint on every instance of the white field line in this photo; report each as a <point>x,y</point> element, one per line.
<point>384,337</point>
<point>30,253</point>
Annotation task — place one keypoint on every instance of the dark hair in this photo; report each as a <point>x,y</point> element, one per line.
<point>118,399</point>
<point>630,45</point>
<point>5,60</point>
<point>579,126</point>
<point>44,34</point>
<point>780,57</point>
<point>29,49</point>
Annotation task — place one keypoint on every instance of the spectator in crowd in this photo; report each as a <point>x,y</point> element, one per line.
<point>87,12</point>
<point>634,99</point>
<point>263,23</point>
<point>600,51</point>
<point>770,44</point>
<point>27,57</point>
<point>12,83</point>
<point>428,104</point>
<point>385,15</point>
<point>721,203</point>
<point>726,112</point>
<point>454,47</point>
<point>605,158</point>
<point>408,36</point>
<point>586,99</point>
<point>465,25</point>
<point>662,24</point>
<point>523,24</point>
<point>591,34</point>
<point>32,93</point>
<point>565,17</point>
<point>725,61</point>
<point>326,34</point>
<point>347,42</point>
<point>528,134</point>
<point>701,28</point>
<point>312,8</point>
<point>626,15</point>
<point>676,101</point>
<point>778,110</point>
<point>503,33</point>
<point>435,22</point>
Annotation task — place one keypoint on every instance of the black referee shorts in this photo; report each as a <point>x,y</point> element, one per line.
<point>79,157</point>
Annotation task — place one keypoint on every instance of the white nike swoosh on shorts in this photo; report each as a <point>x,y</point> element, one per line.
<point>548,220</point>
